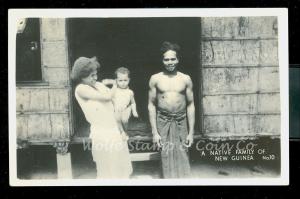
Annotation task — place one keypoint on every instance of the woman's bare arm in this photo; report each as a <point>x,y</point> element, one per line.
<point>88,92</point>
<point>108,82</point>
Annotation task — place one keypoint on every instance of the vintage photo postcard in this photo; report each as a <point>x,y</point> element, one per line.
<point>148,97</point>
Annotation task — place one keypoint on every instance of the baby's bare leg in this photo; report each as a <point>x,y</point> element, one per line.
<point>125,117</point>
<point>125,125</point>
<point>118,117</point>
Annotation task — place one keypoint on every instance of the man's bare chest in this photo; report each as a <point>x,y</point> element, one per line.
<point>171,85</point>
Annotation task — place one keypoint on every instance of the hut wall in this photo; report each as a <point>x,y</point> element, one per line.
<point>43,110</point>
<point>240,83</point>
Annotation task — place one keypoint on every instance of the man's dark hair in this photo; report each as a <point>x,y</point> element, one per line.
<point>166,46</point>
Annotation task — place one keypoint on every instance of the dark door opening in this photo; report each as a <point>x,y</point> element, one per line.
<point>135,43</point>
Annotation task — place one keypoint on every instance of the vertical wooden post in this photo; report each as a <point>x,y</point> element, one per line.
<point>64,166</point>
<point>63,158</point>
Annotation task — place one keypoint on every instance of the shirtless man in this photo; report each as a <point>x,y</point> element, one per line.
<point>172,114</point>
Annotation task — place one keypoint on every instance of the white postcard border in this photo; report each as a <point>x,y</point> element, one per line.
<point>281,13</point>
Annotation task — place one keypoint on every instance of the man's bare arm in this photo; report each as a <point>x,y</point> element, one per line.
<point>190,105</point>
<point>152,105</point>
<point>152,111</point>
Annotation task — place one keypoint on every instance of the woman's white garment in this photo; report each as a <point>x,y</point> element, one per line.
<point>109,150</point>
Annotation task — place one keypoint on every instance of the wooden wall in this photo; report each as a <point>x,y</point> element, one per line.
<point>240,76</point>
<point>43,109</point>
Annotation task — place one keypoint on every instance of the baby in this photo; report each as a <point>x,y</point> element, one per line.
<point>123,99</point>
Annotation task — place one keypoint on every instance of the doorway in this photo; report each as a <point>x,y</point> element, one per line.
<point>134,43</point>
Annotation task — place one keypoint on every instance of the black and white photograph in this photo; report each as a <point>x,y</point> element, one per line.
<point>148,97</point>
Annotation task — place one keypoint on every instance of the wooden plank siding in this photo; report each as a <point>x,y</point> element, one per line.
<point>240,77</point>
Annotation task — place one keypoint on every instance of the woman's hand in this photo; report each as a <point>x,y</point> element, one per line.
<point>113,90</point>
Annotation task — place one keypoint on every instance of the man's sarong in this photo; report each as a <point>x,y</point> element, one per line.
<point>173,130</point>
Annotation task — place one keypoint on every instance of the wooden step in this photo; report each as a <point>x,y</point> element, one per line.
<point>145,156</point>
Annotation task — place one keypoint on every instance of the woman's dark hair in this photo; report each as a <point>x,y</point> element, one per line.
<point>83,67</point>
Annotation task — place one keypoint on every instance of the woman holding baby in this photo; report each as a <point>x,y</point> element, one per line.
<point>109,144</point>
